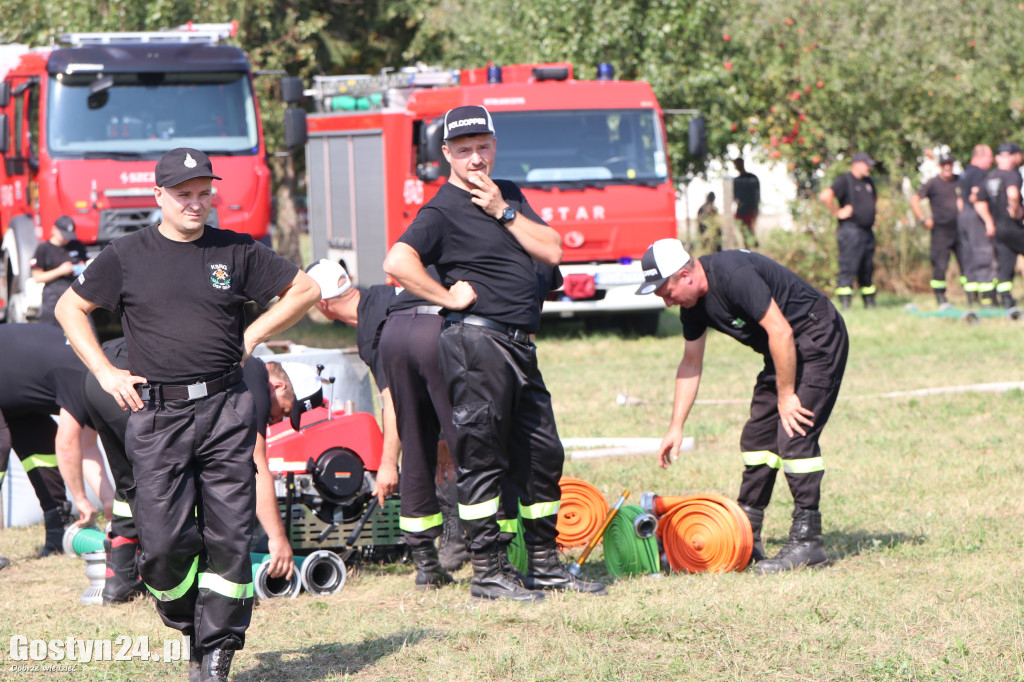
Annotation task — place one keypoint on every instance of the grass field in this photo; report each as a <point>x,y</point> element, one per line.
<point>922,509</point>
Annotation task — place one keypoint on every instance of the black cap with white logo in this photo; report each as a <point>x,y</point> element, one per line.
<point>66,226</point>
<point>182,164</point>
<point>467,120</point>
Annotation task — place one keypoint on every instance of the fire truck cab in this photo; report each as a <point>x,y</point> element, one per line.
<point>590,156</point>
<point>82,125</point>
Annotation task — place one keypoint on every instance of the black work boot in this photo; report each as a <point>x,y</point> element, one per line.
<point>547,572</point>
<point>452,545</point>
<point>844,302</point>
<point>123,581</point>
<point>1006,299</point>
<point>756,517</point>
<point>972,298</point>
<point>56,521</point>
<point>869,301</point>
<point>940,296</point>
<point>490,582</point>
<point>216,665</point>
<point>507,567</point>
<point>804,548</point>
<point>195,662</point>
<point>429,574</point>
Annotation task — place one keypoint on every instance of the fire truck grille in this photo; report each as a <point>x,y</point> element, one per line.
<point>381,530</point>
<point>117,222</point>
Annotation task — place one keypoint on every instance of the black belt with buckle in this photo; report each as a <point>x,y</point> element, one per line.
<point>418,310</point>
<point>514,333</point>
<point>200,389</point>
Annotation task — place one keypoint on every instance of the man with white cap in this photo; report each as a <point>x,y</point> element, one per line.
<point>803,340</point>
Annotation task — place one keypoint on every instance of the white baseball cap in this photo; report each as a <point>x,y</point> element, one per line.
<point>331,277</point>
<point>662,259</point>
<point>308,389</point>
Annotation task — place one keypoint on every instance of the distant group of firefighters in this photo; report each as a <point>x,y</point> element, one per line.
<point>453,354</point>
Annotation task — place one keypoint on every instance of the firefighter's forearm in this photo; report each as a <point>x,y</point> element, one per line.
<point>294,302</point>
<point>540,241</point>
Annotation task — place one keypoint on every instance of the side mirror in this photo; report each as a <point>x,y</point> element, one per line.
<point>5,134</point>
<point>5,93</point>
<point>291,90</point>
<point>295,134</point>
<point>698,137</point>
<point>432,164</point>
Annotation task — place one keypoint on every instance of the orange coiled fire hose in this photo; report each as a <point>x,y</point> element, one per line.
<point>580,513</point>
<point>705,533</point>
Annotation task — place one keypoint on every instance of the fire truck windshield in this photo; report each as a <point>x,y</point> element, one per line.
<point>580,147</point>
<point>146,114</point>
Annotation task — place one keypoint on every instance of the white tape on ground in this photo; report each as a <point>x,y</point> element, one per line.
<point>589,448</point>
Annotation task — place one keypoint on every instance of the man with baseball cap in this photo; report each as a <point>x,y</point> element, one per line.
<point>486,241</point>
<point>181,286</point>
<point>975,230</point>
<point>55,263</point>
<point>856,196</point>
<point>944,201</point>
<point>1002,191</point>
<point>803,340</point>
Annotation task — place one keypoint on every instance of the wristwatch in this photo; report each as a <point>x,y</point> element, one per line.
<point>507,216</point>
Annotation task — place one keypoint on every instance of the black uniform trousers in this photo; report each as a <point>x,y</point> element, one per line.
<point>504,428</point>
<point>408,348</point>
<point>978,254</point>
<point>856,258</point>
<point>33,438</point>
<point>944,243</point>
<point>111,422</point>
<point>1009,242</point>
<point>195,506</point>
<point>822,346</point>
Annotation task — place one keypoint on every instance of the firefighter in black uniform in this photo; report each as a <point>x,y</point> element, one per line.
<point>976,230</point>
<point>856,196</point>
<point>804,343</point>
<point>943,195</point>
<point>181,287</point>
<point>1002,191</point>
<point>122,544</point>
<point>483,238</point>
<point>41,376</point>
<point>55,264</point>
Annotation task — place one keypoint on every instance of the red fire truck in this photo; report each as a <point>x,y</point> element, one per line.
<point>590,156</point>
<point>82,125</point>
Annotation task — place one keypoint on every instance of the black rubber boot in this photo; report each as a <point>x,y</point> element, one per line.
<point>123,581</point>
<point>547,572</point>
<point>844,302</point>
<point>429,574</point>
<point>940,296</point>
<point>490,582</point>
<point>804,548</point>
<point>56,520</point>
<point>216,665</point>
<point>452,545</point>
<point>972,298</point>
<point>756,517</point>
<point>1006,299</point>
<point>869,301</point>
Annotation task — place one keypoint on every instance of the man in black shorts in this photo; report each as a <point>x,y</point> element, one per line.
<point>484,237</point>
<point>855,193</point>
<point>943,195</point>
<point>181,286</point>
<point>976,229</point>
<point>804,343</point>
<point>272,403</point>
<point>40,377</point>
<point>1002,191</point>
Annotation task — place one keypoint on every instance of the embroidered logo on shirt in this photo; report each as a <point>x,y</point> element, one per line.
<point>220,278</point>
<point>738,323</point>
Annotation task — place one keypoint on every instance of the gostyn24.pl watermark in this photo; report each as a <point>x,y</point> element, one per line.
<point>26,653</point>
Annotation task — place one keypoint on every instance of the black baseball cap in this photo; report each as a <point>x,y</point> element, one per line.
<point>1009,148</point>
<point>66,226</point>
<point>946,158</point>
<point>182,164</point>
<point>863,156</point>
<point>467,120</point>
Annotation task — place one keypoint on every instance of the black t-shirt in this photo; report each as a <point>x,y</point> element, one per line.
<point>942,195</point>
<point>405,299</point>
<point>181,302</point>
<point>993,191</point>
<point>746,189</point>
<point>465,243</point>
<point>741,287</point>
<point>860,193</point>
<point>971,182</point>
<point>372,311</point>
<point>47,257</point>
<point>39,373</point>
